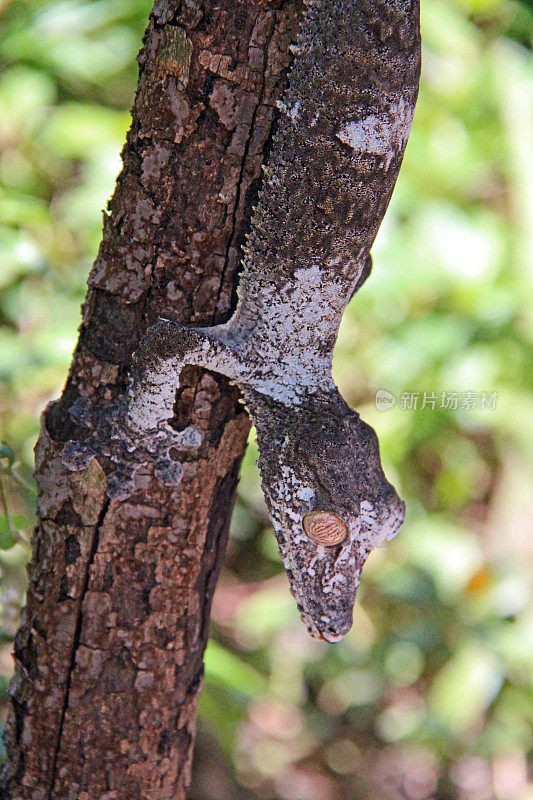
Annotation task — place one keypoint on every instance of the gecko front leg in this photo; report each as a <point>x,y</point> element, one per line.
<point>164,350</point>
<point>134,433</point>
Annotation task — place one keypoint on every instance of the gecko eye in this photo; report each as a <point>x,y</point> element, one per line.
<point>325,528</point>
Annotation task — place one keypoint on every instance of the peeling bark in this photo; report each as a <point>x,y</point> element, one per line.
<point>109,654</point>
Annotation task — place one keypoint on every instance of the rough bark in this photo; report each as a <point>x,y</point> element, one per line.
<point>109,654</point>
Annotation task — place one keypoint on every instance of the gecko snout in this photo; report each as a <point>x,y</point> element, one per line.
<point>331,616</point>
<point>335,633</point>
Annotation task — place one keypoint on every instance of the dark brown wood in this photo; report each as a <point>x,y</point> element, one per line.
<point>109,654</point>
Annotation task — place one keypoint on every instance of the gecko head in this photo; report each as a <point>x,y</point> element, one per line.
<point>330,502</point>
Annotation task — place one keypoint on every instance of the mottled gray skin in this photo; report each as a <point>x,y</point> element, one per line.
<point>335,157</point>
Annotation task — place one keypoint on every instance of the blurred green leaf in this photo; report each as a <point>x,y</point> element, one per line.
<point>226,668</point>
<point>80,130</point>
<point>7,539</point>
<point>465,687</point>
<point>7,454</point>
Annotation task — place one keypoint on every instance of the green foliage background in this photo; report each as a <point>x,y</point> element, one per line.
<point>430,695</point>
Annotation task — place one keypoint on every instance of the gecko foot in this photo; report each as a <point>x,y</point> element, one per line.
<point>129,451</point>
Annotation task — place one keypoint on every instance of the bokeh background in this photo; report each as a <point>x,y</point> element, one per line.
<point>430,695</point>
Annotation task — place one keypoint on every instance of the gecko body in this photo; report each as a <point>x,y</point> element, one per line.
<point>343,126</point>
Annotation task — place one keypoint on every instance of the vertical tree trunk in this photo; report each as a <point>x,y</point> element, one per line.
<point>109,654</point>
